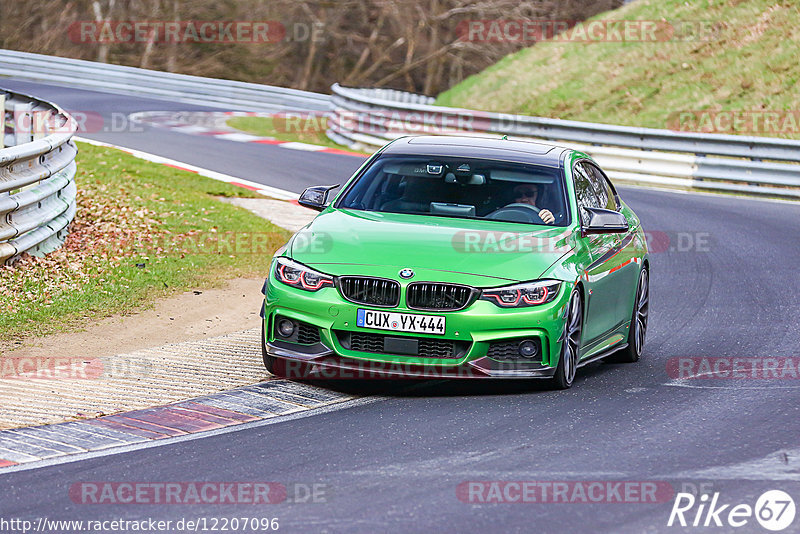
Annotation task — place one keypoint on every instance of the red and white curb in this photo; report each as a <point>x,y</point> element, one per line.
<point>262,402</point>
<point>265,190</point>
<point>213,124</point>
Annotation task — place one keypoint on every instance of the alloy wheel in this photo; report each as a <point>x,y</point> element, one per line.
<point>572,337</point>
<point>642,311</point>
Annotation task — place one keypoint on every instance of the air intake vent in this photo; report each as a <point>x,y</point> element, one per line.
<point>370,291</point>
<point>440,297</point>
<point>424,347</point>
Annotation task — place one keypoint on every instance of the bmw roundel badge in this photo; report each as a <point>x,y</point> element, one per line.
<point>406,274</point>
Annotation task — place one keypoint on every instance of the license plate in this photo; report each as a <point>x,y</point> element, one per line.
<point>401,322</point>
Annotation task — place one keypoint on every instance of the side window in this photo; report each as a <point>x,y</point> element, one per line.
<point>605,194</point>
<point>584,191</point>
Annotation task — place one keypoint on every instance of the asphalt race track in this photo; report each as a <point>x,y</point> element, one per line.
<point>724,284</point>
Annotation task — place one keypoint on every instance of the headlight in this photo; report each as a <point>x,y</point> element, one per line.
<point>298,275</point>
<point>523,295</point>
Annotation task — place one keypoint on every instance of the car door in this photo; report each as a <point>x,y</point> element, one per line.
<point>602,313</point>
<point>624,270</point>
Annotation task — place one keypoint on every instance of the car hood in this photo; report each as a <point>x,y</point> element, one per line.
<point>475,252</point>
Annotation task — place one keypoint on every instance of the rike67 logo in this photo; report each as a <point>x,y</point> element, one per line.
<point>774,510</point>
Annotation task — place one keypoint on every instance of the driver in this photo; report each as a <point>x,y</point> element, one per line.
<point>527,194</point>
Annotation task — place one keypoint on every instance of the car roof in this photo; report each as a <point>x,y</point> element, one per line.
<point>478,147</point>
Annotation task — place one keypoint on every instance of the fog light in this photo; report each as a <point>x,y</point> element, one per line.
<point>527,349</point>
<point>286,327</point>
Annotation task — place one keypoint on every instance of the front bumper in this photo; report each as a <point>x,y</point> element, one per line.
<point>326,364</point>
<point>475,328</point>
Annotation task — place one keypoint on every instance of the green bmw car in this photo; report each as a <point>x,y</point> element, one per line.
<point>460,257</point>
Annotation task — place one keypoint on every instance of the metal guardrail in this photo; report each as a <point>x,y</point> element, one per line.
<point>37,176</point>
<point>227,94</point>
<point>369,118</point>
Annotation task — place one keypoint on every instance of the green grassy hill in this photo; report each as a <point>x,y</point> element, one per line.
<point>748,61</point>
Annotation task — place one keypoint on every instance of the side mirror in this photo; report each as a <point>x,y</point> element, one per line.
<point>603,221</point>
<point>316,197</point>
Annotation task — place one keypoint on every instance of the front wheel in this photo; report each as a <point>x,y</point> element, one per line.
<point>638,328</point>
<point>269,361</point>
<point>278,367</point>
<point>570,351</point>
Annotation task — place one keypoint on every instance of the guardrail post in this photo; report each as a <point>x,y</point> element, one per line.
<point>2,119</point>
<point>39,123</point>
<point>22,117</point>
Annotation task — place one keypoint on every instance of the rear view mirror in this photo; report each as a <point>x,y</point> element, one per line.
<point>603,221</point>
<point>316,197</point>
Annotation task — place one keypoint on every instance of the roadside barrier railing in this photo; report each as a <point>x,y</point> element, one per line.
<point>369,118</point>
<point>37,175</point>
<point>213,92</point>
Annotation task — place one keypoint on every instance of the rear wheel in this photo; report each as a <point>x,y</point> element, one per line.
<point>573,328</point>
<point>638,328</point>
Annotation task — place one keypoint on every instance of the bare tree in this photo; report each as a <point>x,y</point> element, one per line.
<point>416,45</point>
<point>101,16</point>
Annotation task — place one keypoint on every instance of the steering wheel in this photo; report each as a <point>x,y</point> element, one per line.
<point>522,205</point>
<point>517,212</point>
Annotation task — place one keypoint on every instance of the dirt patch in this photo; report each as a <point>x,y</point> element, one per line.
<point>190,316</point>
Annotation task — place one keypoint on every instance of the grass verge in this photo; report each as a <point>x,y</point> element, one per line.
<point>725,55</point>
<point>142,231</point>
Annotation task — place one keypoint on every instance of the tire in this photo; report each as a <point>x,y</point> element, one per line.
<point>638,327</point>
<point>269,361</point>
<point>570,351</point>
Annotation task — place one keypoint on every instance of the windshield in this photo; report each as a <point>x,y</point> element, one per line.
<point>461,188</point>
